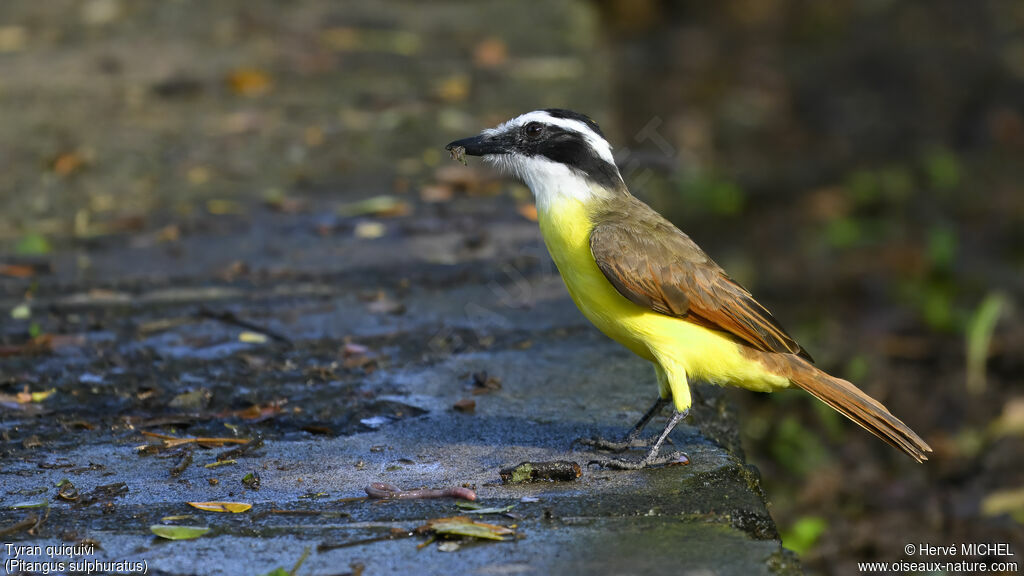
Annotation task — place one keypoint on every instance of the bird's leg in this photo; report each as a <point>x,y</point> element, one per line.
<point>652,458</point>
<point>630,441</point>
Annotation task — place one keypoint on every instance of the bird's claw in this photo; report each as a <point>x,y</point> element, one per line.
<point>617,445</point>
<point>672,459</point>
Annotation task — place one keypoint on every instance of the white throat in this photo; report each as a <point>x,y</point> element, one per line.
<point>551,182</point>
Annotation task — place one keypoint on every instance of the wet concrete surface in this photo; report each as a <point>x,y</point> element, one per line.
<point>185,163</point>
<point>356,389</point>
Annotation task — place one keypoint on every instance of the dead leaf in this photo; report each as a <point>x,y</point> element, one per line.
<point>21,312</point>
<point>219,207</point>
<point>357,356</point>
<point>384,206</point>
<point>249,82</point>
<point>42,344</point>
<point>172,441</point>
<point>370,230</point>
<point>169,233</point>
<point>234,507</point>
<point>191,400</point>
<point>465,405</point>
<point>490,53</point>
<point>384,304</point>
<point>68,163</point>
<point>484,383</point>
<point>353,349</point>
<point>25,396</point>
<point>313,136</point>
<point>453,89</point>
<point>278,202</point>
<point>257,411</point>
<point>17,271</point>
<point>434,193</point>
<point>198,175</point>
<point>253,338</point>
<point>178,532</point>
<point>465,526</point>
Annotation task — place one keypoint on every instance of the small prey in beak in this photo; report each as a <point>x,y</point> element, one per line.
<point>458,153</point>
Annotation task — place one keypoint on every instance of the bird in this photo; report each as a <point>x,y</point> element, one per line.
<point>645,284</point>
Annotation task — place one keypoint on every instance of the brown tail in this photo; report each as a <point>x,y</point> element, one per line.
<point>859,407</point>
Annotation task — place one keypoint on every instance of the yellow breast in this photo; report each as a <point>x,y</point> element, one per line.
<point>566,228</point>
<point>673,343</point>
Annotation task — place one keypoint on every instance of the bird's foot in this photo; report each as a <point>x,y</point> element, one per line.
<point>672,459</point>
<point>616,445</point>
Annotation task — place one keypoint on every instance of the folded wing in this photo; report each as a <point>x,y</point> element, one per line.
<point>655,265</point>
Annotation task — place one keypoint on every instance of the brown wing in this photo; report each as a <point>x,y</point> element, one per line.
<point>654,264</point>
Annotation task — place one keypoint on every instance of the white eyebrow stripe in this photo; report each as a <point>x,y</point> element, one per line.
<point>597,143</point>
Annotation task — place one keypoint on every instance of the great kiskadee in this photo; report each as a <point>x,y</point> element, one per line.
<point>645,284</point>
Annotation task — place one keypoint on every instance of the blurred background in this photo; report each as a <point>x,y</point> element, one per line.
<point>856,164</point>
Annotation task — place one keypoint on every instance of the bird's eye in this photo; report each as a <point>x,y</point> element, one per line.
<point>534,129</point>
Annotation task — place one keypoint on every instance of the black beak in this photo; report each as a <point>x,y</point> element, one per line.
<point>478,145</point>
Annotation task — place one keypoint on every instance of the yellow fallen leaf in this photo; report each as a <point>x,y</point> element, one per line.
<point>26,396</point>
<point>384,206</point>
<point>249,82</point>
<point>198,175</point>
<point>370,230</point>
<point>178,532</point>
<point>67,163</point>
<point>221,207</point>
<point>21,312</point>
<point>453,88</point>
<point>235,507</point>
<point>465,526</point>
<point>253,338</point>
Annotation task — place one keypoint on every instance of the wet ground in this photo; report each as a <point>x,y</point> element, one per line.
<point>346,358</point>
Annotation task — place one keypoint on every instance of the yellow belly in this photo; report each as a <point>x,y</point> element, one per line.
<point>680,349</point>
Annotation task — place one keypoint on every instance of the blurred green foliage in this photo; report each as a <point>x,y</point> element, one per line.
<point>804,533</point>
<point>710,194</point>
<point>979,338</point>
<point>797,448</point>
<point>33,244</point>
<point>943,169</point>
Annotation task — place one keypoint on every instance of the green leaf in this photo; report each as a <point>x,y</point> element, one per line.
<point>979,338</point>
<point>804,534</point>
<point>942,246</point>
<point>33,244</point>
<point>943,169</point>
<point>178,532</point>
<point>797,448</point>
